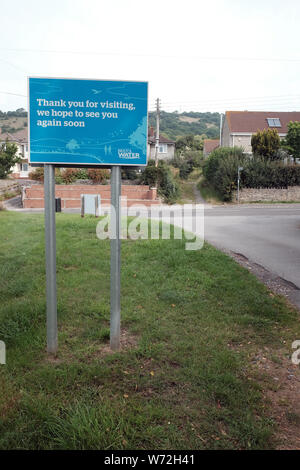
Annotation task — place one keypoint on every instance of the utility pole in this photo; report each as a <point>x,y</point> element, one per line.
<point>157,132</point>
<point>221,125</point>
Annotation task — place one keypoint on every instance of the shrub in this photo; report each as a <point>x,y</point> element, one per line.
<point>37,174</point>
<point>69,175</point>
<point>185,168</point>
<point>98,175</point>
<point>220,171</point>
<point>8,158</point>
<point>161,177</point>
<point>82,174</point>
<point>266,143</point>
<point>260,173</point>
<point>128,173</point>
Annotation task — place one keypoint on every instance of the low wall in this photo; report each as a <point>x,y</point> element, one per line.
<point>33,196</point>
<point>8,186</point>
<point>269,194</point>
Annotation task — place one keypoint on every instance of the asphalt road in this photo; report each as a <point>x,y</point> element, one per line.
<point>266,234</point>
<point>269,236</point>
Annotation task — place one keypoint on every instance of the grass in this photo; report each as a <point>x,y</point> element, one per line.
<point>186,187</point>
<point>181,382</point>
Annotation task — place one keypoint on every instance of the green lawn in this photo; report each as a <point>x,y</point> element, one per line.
<point>179,382</point>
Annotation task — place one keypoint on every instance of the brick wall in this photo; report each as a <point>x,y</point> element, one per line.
<point>266,194</point>
<point>33,196</point>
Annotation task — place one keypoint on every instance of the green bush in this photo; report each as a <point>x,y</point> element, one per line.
<point>261,173</point>
<point>128,173</point>
<point>220,171</point>
<point>8,158</point>
<point>266,143</point>
<point>161,177</point>
<point>37,174</point>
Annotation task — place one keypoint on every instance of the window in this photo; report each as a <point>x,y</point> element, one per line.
<point>24,166</point>
<point>274,122</point>
<point>163,148</point>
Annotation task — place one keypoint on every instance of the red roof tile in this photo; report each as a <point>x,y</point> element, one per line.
<point>252,121</point>
<point>162,139</point>
<point>19,136</point>
<point>209,145</point>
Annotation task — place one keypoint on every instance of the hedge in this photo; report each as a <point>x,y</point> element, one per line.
<point>220,170</point>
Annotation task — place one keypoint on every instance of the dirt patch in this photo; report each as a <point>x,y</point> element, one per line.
<point>127,341</point>
<point>281,383</point>
<point>188,119</point>
<point>93,350</point>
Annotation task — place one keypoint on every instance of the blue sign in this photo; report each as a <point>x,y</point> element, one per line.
<point>88,122</point>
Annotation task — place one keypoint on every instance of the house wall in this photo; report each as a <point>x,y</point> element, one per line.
<point>161,156</point>
<point>226,137</point>
<point>243,141</point>
<point>238,139</point>
<point>17,168</point>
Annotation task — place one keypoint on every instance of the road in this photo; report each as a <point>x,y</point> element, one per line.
<point>269,236</point>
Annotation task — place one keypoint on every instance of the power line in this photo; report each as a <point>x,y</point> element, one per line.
<point>15,94</point>
<point>171,56</point>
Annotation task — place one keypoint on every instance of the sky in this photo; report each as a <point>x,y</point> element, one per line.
<point>212,55</point>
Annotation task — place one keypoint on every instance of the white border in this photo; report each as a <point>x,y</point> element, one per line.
<point>84,164</point>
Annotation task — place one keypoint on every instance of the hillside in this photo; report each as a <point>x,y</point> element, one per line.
<point>173,125</point>
<point>13,121</point>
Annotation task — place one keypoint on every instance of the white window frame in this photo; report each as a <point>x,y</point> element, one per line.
<point>163,148</point>
<point>22,165</point>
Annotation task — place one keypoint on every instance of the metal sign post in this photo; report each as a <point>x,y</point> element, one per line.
<point>50,239</point>
<point>115,258</point>
<point>89,123</point>
<point>240,168</point>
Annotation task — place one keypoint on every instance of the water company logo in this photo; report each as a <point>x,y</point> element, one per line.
<point>127,154</point>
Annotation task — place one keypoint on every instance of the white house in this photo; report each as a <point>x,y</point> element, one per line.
<point>238,126</point>
<point>166,150</point>
<point>20,138</point>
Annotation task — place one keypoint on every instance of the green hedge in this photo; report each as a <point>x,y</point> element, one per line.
<point>220,171</point>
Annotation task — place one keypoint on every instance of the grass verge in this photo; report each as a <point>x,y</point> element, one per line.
<point>180,382</point>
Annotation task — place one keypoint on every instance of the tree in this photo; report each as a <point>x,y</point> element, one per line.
<point>292,141</point>
<point>266,143</point>
<point>8,158</point>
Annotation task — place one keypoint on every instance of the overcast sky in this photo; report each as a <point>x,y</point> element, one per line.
<point>196,55</point>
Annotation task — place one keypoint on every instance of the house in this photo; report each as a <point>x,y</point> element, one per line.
<point>20,138</point>
<point>238,126</point>
<point>209,145</point>
<point>166,150</point>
